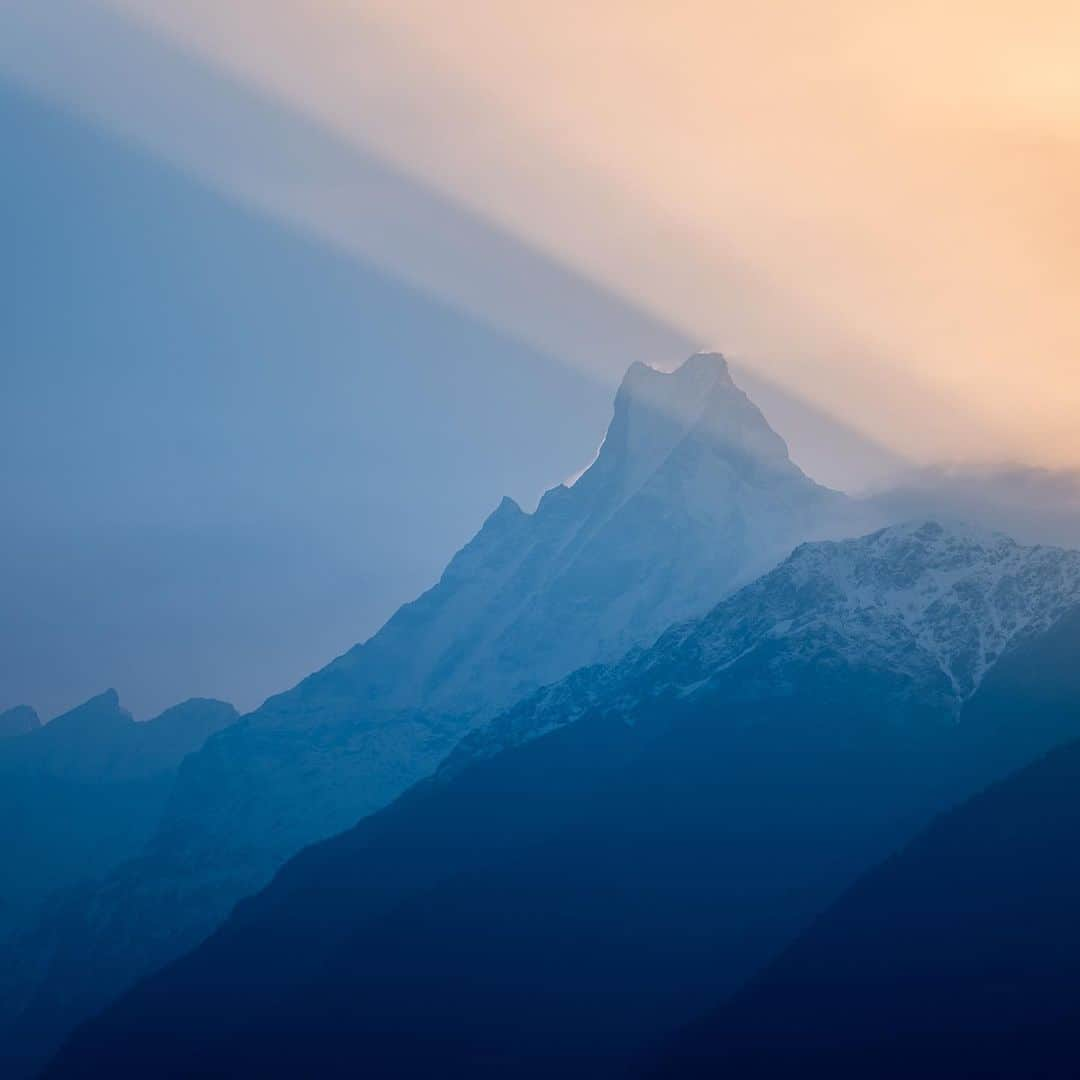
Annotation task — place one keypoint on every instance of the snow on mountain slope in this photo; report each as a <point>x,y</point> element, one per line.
<point>935,607</point>
<point>961,599</point>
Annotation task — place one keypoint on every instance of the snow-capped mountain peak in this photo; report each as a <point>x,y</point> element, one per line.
<point>957,597</point>
<point>933,608</point>
<point>655,412</point>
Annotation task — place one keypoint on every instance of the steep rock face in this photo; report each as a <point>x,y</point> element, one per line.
<point>18,721</point>
<point>548,907</point>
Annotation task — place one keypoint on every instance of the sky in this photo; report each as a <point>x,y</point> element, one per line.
<point>843,196</point>
<point>301,289</point>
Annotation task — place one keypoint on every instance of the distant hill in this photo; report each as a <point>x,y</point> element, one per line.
<point>18,721</point>
<point>85,791</point>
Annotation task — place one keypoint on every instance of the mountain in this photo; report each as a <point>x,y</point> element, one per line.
<point>935,607</point>
<point>83,792</point>
<point>18,721</point>
<point>79,796</point>
<point>959,956</point>
<point>99,740</point>
<point>642,837</point>
<point>691,494</point>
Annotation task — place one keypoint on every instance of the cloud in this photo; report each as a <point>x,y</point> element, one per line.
<point>1033,505</point>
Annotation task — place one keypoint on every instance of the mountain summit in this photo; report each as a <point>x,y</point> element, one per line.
<point>691,494</point>
<point>698,404</point>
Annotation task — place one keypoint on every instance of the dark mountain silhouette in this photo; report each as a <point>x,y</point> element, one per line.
<point>959,956</point>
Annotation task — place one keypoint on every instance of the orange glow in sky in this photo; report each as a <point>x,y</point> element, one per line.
<point>873,204</point>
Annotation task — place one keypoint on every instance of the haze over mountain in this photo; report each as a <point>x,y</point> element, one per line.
<point>555,903</point>
<point>1037,506</point>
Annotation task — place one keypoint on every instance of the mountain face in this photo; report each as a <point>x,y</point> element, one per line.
<point>690,495</point>
<point>959,956</point>
<point>18,721</point>
<point>557,899</point>
<point>934,607</point>
<point>85,791</point>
